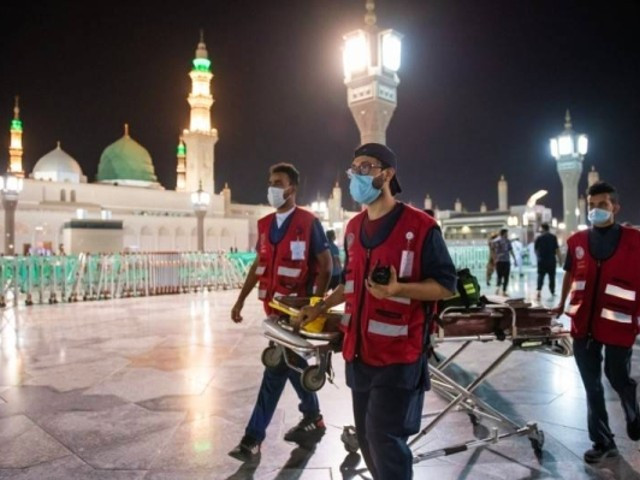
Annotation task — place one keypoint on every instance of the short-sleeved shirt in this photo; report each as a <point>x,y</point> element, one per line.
<point>546,246</point>
<point>603,243</point>
<point>436,264</point>
<point>502,247</point>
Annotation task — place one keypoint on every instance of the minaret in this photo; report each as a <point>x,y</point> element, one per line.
<point>503,194</point>
<point>582,205</point>
<point>457,206</point>
<point>593,176</point>
<point>483,207</point>
<point>335,204</point>
<point>15,147</point>
<point>569,150</point>
<point>428,203</point>
<point>226,196</point>
<point>181,168</point>
<point>200,138</point>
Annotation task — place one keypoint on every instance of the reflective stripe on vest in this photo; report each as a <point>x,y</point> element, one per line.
<point>345,320</point>
<point>616,316</point>
<point>260,270</point>
<point>387,329</point>
<point>573,309</point>
<point>403,300</point>
<point>349,286</point>
<point>578,285</point>
<point>289,272</point>
<point>620,292</point>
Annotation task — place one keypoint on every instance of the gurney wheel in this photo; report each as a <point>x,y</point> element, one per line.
<point>313,378</point>
<point>537,444</point>
<point>271,357</point>
<point>475,421</point>
<point>349,439</point>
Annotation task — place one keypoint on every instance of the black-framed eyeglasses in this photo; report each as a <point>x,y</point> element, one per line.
<point>363,168</point>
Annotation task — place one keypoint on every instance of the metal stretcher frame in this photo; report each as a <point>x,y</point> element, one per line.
<point>462,398</point>
<point>284,338</point>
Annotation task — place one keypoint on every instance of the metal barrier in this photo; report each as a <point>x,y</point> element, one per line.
<point>95,277</point>
<point>40,279</point>
<point>473,257</point>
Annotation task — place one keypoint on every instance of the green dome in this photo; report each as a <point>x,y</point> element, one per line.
<point>125,160</point>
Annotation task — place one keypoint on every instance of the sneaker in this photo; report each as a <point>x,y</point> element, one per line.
<point>538,295</point>
<point>247,450</point>
<point>308,429</point>
<point>598,453</point>
<point>633,429</point>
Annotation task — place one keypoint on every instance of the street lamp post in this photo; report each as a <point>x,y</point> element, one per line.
<point>371,61</point>
<point>569,150</point>
<point>10,186</point>
<point>200,202</point>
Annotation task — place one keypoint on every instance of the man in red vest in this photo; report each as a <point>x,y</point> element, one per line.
<point>292,256</point>
<point>397,265</point>
<point>602,281</point>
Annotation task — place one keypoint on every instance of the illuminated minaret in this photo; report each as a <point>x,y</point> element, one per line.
<point>503,194</point>
<point>180,178</point>
<point>428,202</point>
<point>15,147</point>
<point>593,176</point>
<point>200,138</point>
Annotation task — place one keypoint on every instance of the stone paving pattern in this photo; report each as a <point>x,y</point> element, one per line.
<point>160,388</point>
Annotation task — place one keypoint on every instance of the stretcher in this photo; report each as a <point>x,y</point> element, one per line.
<point>524,328</point>
<point>516,323</point>
<point>318,343</point>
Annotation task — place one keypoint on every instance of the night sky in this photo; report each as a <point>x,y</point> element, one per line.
<point>484,85</point>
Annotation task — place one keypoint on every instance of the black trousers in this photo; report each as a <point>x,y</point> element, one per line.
<point>617,368</point>
<point>384,418</point>
<point>503,269</point>
<point>547,268</point>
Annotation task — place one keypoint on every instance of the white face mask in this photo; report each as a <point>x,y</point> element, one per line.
<point>275,196</point>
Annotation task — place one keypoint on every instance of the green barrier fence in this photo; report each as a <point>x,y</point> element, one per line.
<point>41,279</point>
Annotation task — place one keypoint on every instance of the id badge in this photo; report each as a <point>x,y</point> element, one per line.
<point>297,250</point>
<point>406,264</point>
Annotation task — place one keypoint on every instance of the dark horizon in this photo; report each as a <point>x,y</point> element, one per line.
<point>482,89</point>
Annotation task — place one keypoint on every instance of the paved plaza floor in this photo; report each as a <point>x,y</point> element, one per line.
<point>160,388</point>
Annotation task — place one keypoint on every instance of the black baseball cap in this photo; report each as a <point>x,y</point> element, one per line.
<point>386,156</point>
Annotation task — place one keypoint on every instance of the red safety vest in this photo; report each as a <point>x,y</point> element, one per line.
<point>389,331</point>
<point>284,268</point>
<point>605,295</point>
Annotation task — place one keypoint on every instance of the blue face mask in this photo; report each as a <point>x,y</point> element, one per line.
<point>362,189</point>
<point>598,216</point>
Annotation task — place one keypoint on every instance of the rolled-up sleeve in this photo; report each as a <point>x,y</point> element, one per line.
<point>436,261</point>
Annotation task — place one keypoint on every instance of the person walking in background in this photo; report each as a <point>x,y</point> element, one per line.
<point>547,250</point>
<point>502,250</point>
<point>336,273</point>
<point>517,246</point>
<point>491,263</point>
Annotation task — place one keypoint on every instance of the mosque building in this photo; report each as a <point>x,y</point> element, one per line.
<point>126,196</point>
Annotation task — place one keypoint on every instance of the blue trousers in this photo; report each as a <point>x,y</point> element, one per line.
<point>617,368</point>
<point>384,418</point>
<point>273,382</point>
